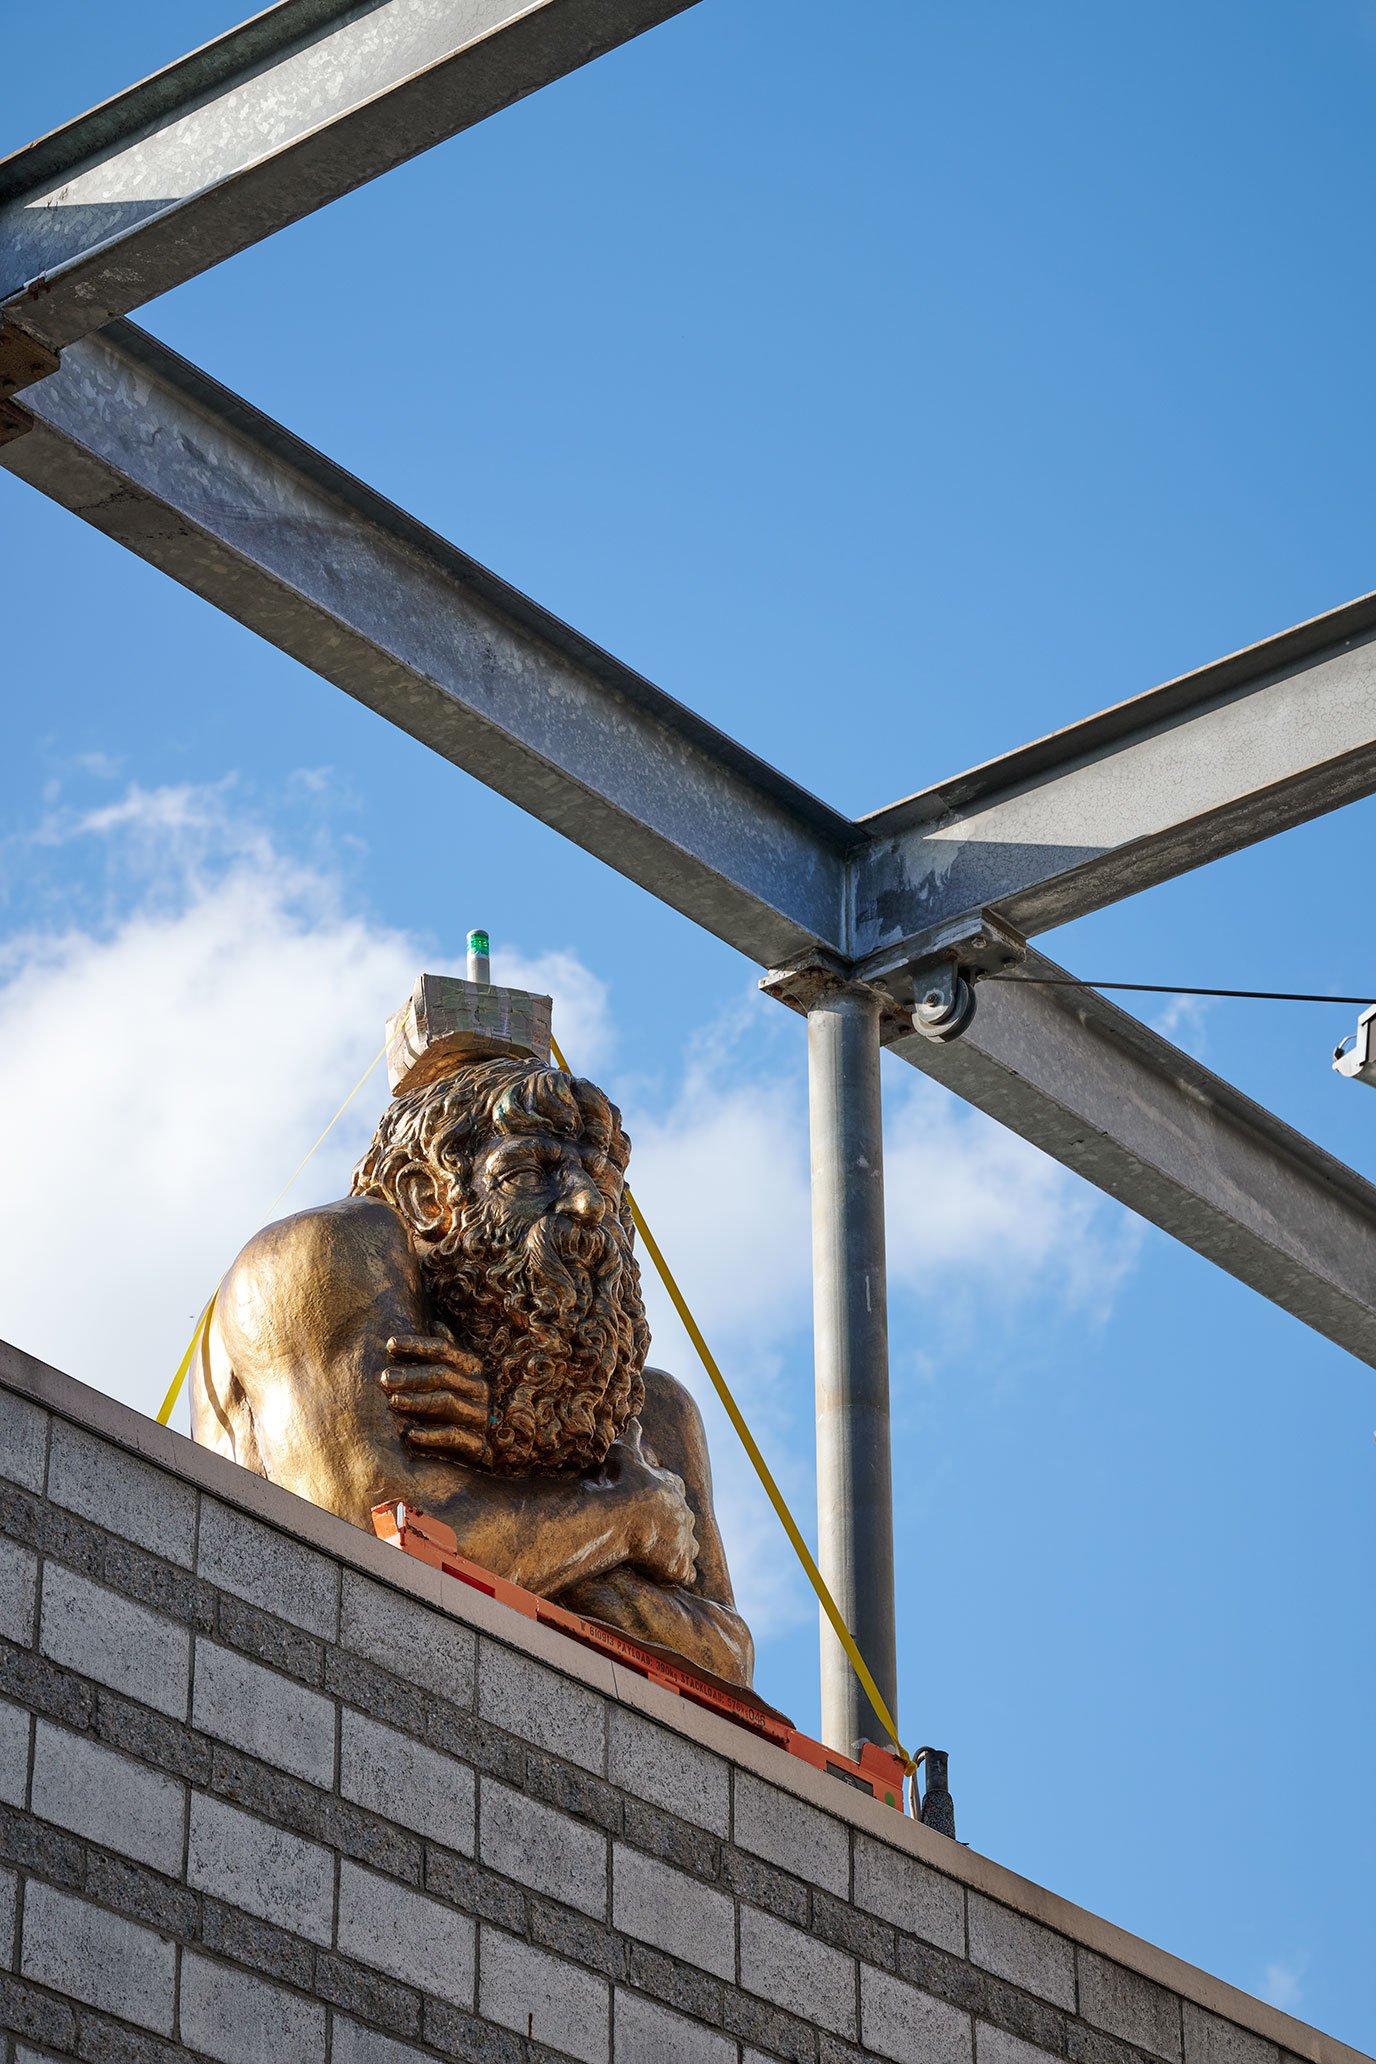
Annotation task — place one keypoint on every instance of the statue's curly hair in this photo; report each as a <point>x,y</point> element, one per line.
<point>445,1121</point>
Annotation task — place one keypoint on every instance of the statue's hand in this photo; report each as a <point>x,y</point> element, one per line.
<point>662,1540</point>
<point>441,1394</point>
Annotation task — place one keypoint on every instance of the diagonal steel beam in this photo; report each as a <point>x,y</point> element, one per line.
<point>303,103</point>
<point>1242,749</point>
<point>161,458</point>
<point>1108,1097</point>
<point>1230,754</point>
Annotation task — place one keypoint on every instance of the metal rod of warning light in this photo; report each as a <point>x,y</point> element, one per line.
<point>479,957</point>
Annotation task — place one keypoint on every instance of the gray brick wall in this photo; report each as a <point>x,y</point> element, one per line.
<point>268,1790</point>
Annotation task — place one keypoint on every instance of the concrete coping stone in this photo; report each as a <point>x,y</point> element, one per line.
<point>183,1459</point>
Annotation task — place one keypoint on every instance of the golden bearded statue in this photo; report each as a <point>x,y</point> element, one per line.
<point>465,1332</point>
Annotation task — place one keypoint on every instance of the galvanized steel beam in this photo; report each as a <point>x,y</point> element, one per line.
<point>1209,763</point>
<point>303,103</point>
<point>162,459</point>
<point>1108,1097</point>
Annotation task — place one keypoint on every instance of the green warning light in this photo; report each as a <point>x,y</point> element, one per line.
<point>478,942</point>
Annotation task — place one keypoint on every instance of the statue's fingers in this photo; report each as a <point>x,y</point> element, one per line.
<point>421,1346</point>
<point>450,1440</point>
<point>473,1395</point>
<point>415,1381</point>
<point>461,1361</point>
<point>433,1347</point>
<point>419,1383</point>
<point>442,1405</point>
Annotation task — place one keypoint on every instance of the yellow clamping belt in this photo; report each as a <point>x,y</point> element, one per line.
<point>719,1384</point>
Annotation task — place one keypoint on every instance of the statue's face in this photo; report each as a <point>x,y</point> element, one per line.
<point>526,1248</point>
<point>541,1176</point>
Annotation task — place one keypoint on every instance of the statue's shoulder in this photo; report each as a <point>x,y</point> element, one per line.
<point>670,1417</point>
<point>359,1238</point>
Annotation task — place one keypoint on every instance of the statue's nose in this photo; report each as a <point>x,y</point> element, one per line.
<point>582,1199</point>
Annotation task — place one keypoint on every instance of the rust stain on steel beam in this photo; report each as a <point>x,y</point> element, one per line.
<point>14,421</point>
<point>24,359</point>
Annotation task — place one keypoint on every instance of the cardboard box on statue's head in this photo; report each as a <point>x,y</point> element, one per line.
<point>447,1023</point>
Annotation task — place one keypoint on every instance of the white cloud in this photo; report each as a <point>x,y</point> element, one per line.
<point>100,766</point>
<point>723,1175</point>
<point>582,1005</point>
<point>170,1076</point>
<point>1185,1021</point>
<point>1281,1984</point>
<point>155,814</point>
<point>970,1203</point>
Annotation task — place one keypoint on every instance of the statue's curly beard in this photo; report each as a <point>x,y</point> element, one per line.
<point>554,1310</point>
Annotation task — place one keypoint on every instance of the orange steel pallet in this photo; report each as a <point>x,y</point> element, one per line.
<point>878,1772</point>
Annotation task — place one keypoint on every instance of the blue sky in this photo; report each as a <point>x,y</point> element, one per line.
<point>891,387</point>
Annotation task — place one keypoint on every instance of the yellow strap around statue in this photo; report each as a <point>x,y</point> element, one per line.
<point>169,1403</point>
<point>762,1469</point>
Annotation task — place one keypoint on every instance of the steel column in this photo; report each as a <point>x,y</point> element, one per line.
<point>850,1320</point>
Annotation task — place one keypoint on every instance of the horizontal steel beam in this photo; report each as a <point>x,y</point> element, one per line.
<point>1242,749</point>
<point>303,103</point>
<point>1102,1093</point>
<point>159,457</point>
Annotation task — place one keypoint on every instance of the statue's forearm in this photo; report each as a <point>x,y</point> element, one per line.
<point>545,1534</point>
<point>700,1629</point>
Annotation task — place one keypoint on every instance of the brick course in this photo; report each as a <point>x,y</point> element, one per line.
<point>81,1785</point>
<point>238,2019</point>
<point>269,1789</point>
